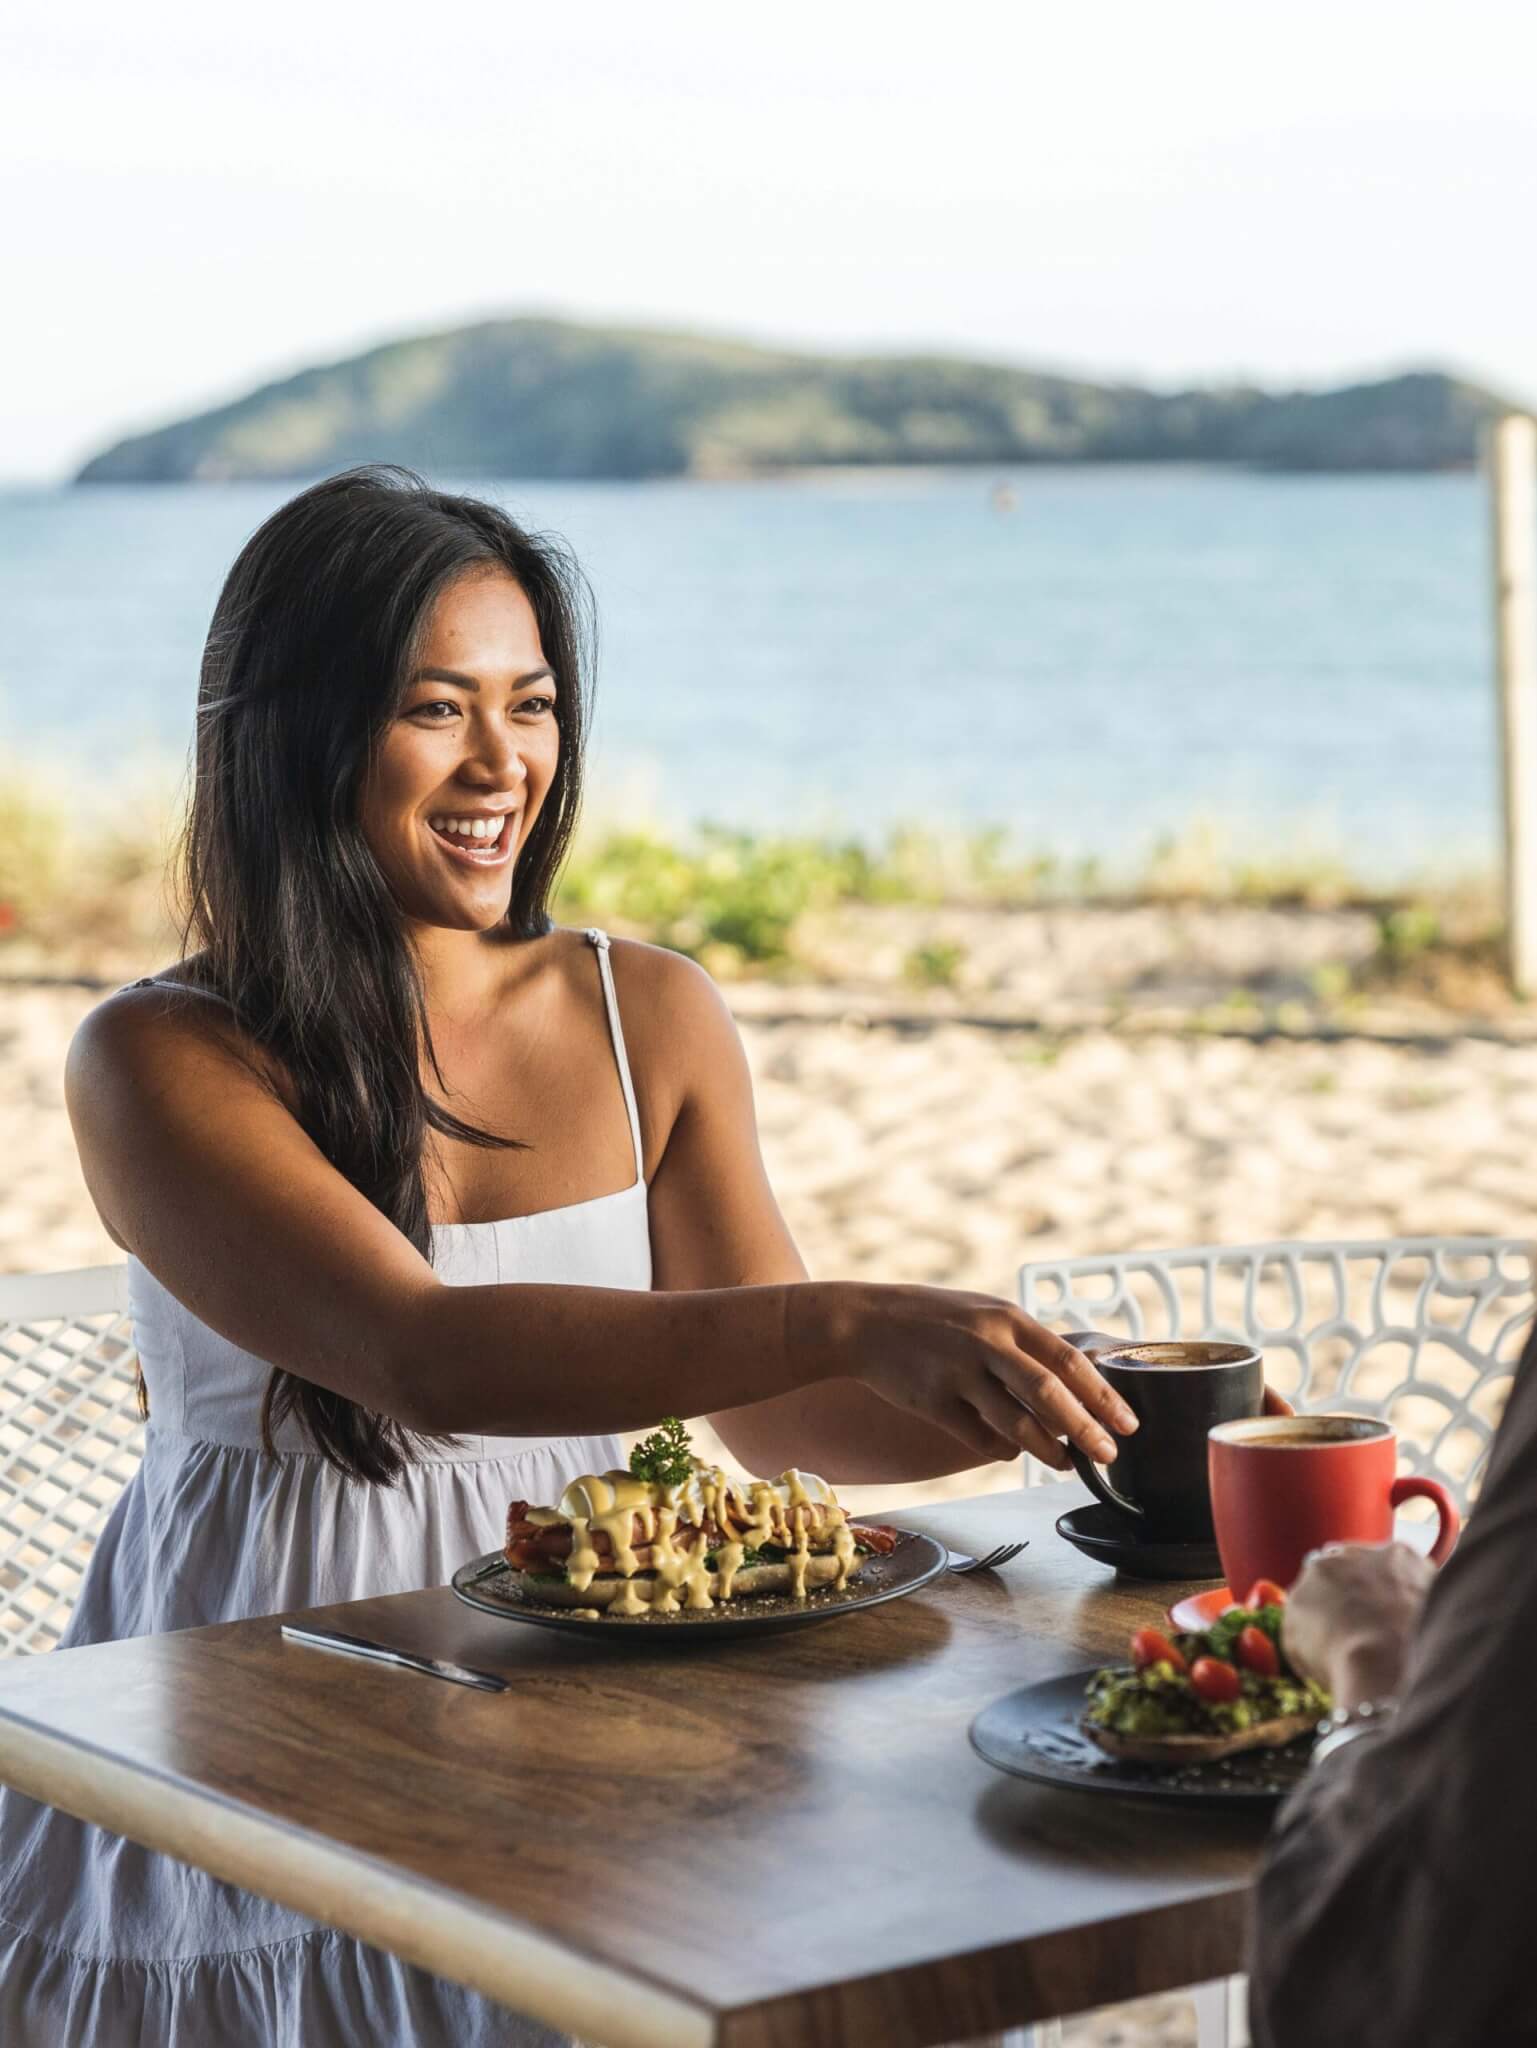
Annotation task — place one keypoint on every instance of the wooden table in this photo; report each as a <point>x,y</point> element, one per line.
<point>753,1845</point>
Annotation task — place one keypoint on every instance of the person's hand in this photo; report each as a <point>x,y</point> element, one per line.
<point>974,1365</point>
<point>1351,1616</point>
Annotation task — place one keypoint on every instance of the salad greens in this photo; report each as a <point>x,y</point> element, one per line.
<point>1221,1638</point>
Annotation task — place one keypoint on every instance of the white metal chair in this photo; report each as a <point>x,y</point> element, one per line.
<point>1424,1331</point>
<point>70,1438</point>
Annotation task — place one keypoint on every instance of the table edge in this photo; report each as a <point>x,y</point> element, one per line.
<point>412,1917</point>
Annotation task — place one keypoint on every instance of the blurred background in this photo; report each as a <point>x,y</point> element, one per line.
<point>1028,466</point>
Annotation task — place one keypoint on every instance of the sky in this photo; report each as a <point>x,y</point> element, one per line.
<point>199,199</point>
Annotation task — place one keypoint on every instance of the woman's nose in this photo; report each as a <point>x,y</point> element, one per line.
<point>498,753</point>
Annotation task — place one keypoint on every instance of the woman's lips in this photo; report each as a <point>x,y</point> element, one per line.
<point>480,853</point>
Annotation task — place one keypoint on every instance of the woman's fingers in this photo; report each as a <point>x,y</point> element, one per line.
<point>934,1352</point>
<point>1043,1445</point>
<point>1040,1387</point>
<point>1011,1420</point>
<point>1060,1413</point>
<point>1076,1372</point>
<point>963,1421</point>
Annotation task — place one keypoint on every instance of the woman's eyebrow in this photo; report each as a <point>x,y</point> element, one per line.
<point>464,682</point>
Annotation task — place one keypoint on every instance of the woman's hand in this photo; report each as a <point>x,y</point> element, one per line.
<point>1352,1615</point>
<point>972,1364</point>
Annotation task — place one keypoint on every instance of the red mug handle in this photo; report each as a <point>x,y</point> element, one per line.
<point>1276,1404</point>
<point>1432,1490</point>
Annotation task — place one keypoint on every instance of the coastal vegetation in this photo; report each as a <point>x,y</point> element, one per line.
<point>752,905</point>
<point>560,399</point>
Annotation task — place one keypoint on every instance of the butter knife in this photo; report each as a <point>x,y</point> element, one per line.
<point>381,1653</point>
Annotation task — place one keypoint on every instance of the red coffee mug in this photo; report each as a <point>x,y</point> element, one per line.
<point>1282,1486</point>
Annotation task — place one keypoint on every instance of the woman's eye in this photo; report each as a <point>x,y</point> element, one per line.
<point>538,707</point>
<point>424,711</point>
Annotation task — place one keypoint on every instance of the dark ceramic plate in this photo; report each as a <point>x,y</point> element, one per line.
<point>1099,1532</point>
<point>486,1583</point>
<point>1034,1734</point>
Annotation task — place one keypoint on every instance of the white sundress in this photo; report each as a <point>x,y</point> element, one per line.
<point>104,1944</point>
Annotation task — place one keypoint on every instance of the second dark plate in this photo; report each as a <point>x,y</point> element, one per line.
<point>1099,1532</point>
<point>1035,1733</point>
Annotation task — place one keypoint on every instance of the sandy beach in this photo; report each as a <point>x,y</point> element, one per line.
<point>1092,1081</point>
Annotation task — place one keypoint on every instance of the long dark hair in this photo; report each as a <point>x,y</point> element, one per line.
<point>314,636</point>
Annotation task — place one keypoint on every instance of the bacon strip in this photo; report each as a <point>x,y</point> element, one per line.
<point>531,1544</point>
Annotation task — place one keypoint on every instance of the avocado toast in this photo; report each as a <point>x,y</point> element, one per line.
<point>1197,1697</point>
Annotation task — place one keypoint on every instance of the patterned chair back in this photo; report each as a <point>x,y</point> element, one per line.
<point>1424,1331</point>
<point>70,1438</point>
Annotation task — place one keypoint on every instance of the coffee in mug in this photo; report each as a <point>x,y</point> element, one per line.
<point>1284,1485</point>
<point>1178,1390</point>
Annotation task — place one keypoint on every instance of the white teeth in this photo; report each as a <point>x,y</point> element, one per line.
<point>488,829</point>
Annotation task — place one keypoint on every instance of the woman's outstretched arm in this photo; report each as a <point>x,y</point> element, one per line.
<point>199,1168</point>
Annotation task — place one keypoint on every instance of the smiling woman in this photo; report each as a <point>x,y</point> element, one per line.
<point>470,757</point>
<point>416,1221</point>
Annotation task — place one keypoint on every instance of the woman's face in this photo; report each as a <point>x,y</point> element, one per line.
<point>466,764</point>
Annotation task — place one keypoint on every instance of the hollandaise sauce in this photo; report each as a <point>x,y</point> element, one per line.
<point>685,1567</point>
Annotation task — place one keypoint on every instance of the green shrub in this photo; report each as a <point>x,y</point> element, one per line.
<point>935,964</point>
<point>723,893</point>
<point>1406,932</point>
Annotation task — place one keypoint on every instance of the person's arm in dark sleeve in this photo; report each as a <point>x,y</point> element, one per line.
<point>1396,1906</point>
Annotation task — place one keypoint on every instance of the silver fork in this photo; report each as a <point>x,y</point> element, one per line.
<point>1005,1553</point>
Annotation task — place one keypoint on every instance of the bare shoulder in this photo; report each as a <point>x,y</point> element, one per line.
<point>678,1026</point>
<point>144,1067</point>
<point>147,1016</point>
<point>151,1035</point>
<point>667,985</point>
<point>667,982</point>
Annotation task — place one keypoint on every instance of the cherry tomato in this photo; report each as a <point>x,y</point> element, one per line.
<point>1214,1680</point>
<point>1266,1593</point>
<point>1257,1653</point>
<point>1151,1646</point>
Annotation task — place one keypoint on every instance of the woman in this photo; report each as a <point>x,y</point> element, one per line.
<point>379,1088</point>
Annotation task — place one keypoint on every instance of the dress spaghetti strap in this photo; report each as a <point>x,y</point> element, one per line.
<point>599,942</point>
<point>182,988</point>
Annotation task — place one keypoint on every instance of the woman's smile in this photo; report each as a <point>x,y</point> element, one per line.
<point>476,839</point>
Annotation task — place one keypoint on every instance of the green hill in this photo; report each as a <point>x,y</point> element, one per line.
<point>551,398</point>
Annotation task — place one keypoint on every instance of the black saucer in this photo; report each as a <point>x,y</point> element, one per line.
<point>1099,1532</point>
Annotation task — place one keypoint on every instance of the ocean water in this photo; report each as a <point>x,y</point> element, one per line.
<point>1296,662</point>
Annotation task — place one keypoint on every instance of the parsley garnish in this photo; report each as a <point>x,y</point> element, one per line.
<point>666,1458</point>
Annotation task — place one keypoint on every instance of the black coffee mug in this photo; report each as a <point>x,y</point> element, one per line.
<point>1178,1390</point>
